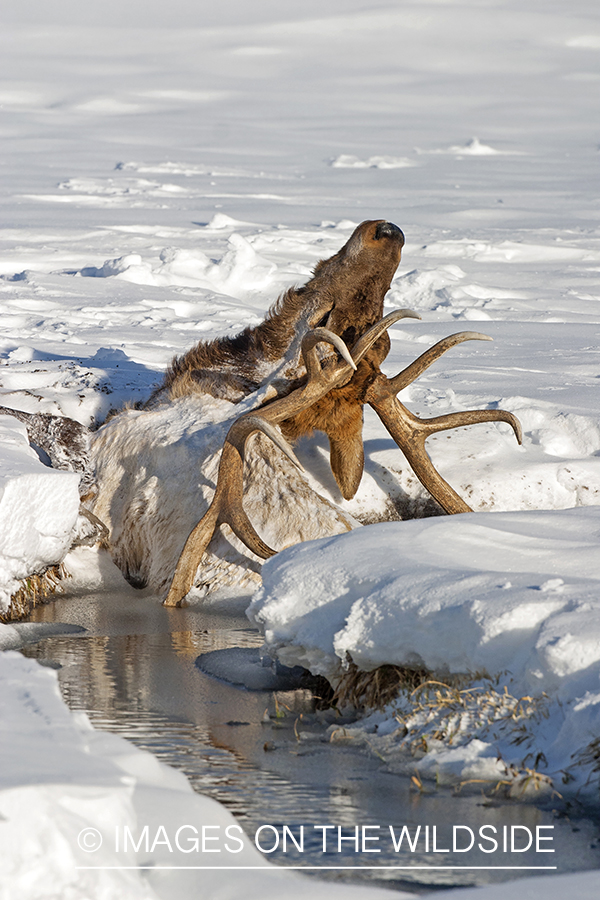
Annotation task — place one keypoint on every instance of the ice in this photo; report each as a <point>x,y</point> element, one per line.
<point>247,667</point>
<point>584,886</point>
<point>20,633</point>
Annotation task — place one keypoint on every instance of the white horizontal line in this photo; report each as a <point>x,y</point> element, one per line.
<point>277,868</point>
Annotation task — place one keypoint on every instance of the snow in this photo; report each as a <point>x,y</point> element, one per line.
<point>38,510</point>
<point>584,887</point>
<point>513,596</point>
<point>347,161</point>
<point>82,784</point>
<point>88,786</point>
<point>167,170</point>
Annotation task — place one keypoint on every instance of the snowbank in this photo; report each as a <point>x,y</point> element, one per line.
<point>85,814</point>
<point>38,510</point>
<point>75,803</point>
<point>513,596</point>
<point>583,886</point>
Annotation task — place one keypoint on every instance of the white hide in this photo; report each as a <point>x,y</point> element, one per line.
<point>156,473</point>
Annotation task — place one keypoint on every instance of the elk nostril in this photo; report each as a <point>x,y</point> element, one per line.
<point>388,229</point>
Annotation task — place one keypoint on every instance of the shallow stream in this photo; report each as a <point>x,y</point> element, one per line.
<point>133,672</point>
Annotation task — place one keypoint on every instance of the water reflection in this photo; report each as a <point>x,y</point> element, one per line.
<point>133,673</point>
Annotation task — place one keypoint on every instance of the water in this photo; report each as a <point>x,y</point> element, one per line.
<point>133,672</point>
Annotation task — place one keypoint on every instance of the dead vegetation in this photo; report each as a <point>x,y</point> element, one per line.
<point>519,783</point>
<point>587,757</point>
<point>434,714</point>
<point>453,711</point>
<point>35,590</point>
<point>374,690</point>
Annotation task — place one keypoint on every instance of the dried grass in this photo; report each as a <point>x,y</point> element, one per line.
<point>484,705</point>
<point>438,713</point>
<point>433,713</point>
<point>587,757</point>
<point>35,590</point>
<point>376,689</point>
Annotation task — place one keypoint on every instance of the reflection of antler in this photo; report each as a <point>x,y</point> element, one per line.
<point>407,430</point>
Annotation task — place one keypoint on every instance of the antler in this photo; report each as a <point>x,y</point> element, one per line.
<point>226,506</point>
<point>410,432</point>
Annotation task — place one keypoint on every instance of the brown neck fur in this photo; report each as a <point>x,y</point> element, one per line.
<point>345,294</point>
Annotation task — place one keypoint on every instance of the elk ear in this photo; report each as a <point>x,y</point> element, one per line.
<point>347,458</point>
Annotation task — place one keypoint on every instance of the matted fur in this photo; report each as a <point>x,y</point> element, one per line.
<point>157,467</point>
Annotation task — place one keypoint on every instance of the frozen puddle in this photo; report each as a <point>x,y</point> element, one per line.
<point>134,671</point>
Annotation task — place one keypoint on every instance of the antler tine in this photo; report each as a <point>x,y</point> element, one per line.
<point>471,417</point>
<point>410,373</point>
<point>193,551</point>
<point>309,351</point>
<point>226,506</point>
<point>246,425</point>
<point>367,340</point>
<point>408,433</point>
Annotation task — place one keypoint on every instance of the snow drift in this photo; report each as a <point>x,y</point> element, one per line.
<point>38,511</point>
<point>510,596</point>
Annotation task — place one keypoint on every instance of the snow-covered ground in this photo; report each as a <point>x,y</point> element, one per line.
<point>167,170</point>
<point>38,510</point>
<point>510,596</point>
<point>86,814</point>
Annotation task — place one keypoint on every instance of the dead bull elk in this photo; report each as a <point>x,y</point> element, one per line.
<point>313,363</point>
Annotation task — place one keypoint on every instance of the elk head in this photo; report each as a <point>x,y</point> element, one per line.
<point>332,339</point>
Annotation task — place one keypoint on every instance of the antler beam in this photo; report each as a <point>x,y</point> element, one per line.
<point>410,432</point>
<point>407,430</point>
<point>226,506</point>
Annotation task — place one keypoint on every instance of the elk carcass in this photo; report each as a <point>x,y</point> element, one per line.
<point>218,430</point>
